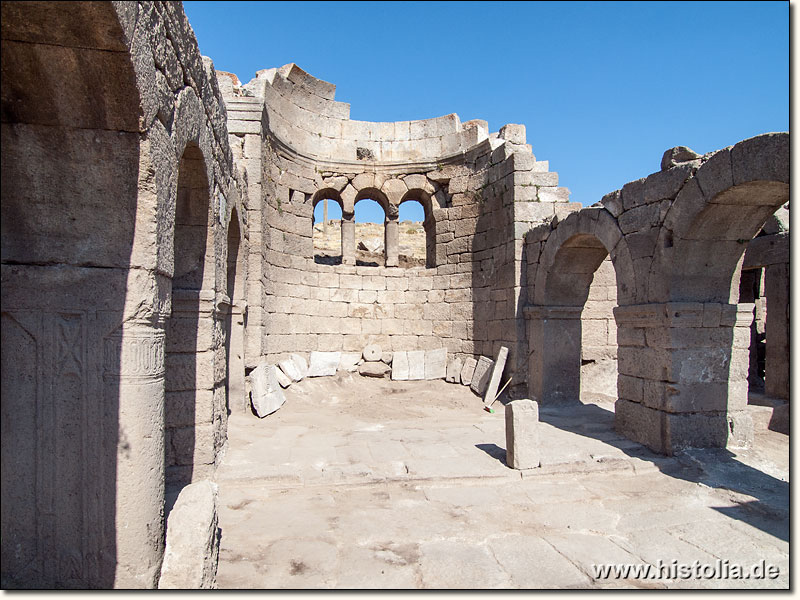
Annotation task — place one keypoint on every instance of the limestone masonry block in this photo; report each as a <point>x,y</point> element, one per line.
<point>301,364</point>
<point>481,376</point>
<point>436,363</point>
<point>323,363</point>
<point>416,365</point>
<point>374,369</point>
<point>266,395</point>
<point>513,133</point>
<point>349,361</point>
<point>468,370</point>
<point>497,373</point>
<point>400,369</point>
<point>192,549</point>
<point>290,369</point>
<point>522,434</point>
<point>283,379</point>
<point>454,366</point>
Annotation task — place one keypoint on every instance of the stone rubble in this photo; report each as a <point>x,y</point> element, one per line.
<point>266,395</point>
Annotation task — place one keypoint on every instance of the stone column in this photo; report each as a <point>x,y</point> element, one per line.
<point>134,368</point>
<point>348,239</point>
<point>777,359</point>
<point>392,241</point>
<point>683,374</point>
<point>554,364</point>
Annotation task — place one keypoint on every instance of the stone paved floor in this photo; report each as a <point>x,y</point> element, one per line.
<point>361,483</point>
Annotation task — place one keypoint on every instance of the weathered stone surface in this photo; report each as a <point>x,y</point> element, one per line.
<point>436,363</point>
<point>290,369</point>
<point>283,379</point>
<point>481,376</point>
<point>416,364</point>
<point>400,370</point>
<point>301,364</point>
<point>387,357</point>
<point>676,155</point>
<point>374,369</point>
<point>349,361</point>
<point>468,370</point>
<point>192,550</point>
<point>323,363</point>
<point>497,373</point>
<point>372,353</point>
<point>454,366</point>
<point>522,434</point>
<point>266,395</point>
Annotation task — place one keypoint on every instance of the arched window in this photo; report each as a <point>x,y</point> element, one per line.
<point>411,203</point>
<point>370,219</point>
<point>327,228</point>
<point>413,247</point>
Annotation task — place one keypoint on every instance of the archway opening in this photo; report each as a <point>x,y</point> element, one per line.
<point>189,446</point>
<point>235,321</point>
<point>370,219</point>
<point>412,250</point>
<point>327,230</point>
<point>599,337</point>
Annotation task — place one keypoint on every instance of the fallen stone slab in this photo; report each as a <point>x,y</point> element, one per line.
<point>387,357</point>
<point>480,378</point>
<point>372,353</point>
<point>191,554</point>
<point>416,365</point>
<point>468,370</point>
<point>400,366</point>
<point>301,364</point>
<point>371,245</point>
<point>436,363</point>
<point>497,373</point>
<point>323,364</point>
<point>290,369</point>
<point>454,366</point>
<point>266,395</point>
<point>349,361</point>
<point>283,379</point>
<point>374,369</point>
<point>522,434</point>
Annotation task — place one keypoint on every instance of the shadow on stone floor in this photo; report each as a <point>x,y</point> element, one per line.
<point>717,468</point>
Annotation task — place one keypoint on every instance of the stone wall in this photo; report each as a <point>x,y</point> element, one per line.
<point>599,337</point>
<point>101,103</point>
<point>480,193</point>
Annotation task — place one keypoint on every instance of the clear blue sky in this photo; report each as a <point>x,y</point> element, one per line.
<point>602,88</point>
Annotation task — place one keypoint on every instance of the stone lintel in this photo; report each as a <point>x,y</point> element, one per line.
<point>552,312</point>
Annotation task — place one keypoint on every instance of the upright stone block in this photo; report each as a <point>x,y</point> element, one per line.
<point>266,395</point>
<point>468,370</point>
<point>454,366</point>
<point>522,434</point>
<point>400,366</point>
<point>436,363</point>
<point>497,373</point>
<point>192,549</point>
<point>416,364</point>
<point>324,363</point>
<point>480,378</point>
<point>349,361</point>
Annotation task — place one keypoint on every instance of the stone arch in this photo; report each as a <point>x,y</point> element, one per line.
<point>190,356</point>
<point>236,316</point>
<point>77,185</point>
<point>424,198</point>
<point>569,259</point>
<point>329,193</point>
<point>706,230</point>
<point>574,251</point>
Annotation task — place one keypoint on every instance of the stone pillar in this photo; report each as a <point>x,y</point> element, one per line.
<point>777,359</point>
<point>683,375</point>
<point>392,241</point>
<point>348,239</point>
<point>554,364</point>
<point>522,434</point>
<point>134,364</point>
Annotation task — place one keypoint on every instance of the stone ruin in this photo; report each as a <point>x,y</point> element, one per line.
<point>157,252</point>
